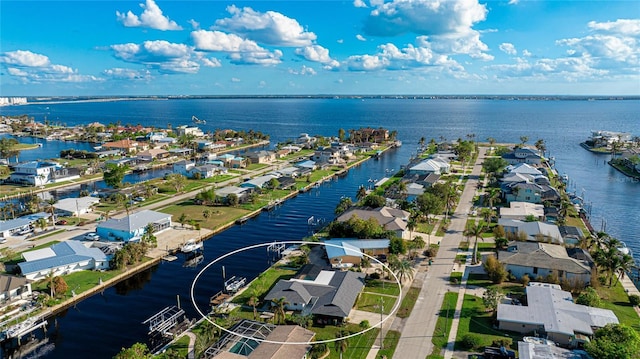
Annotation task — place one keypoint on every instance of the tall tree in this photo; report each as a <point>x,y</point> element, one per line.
<point>8,148</point>
<point>278,306</point>
<point>114,174</point>
<point>341,344</point>
<point>475,230</point>
<point>615,341</point>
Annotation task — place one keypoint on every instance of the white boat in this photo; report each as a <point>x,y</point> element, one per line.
<point>191,246</point>
<point>624,249</point>
<point>198,121</point>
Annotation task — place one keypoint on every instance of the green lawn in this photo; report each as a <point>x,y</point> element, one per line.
<point>370,302</point>
<point>358,346</point>
<point>408,302</point>
<point>443,325</point>
<point>475,319</point>
<point>456,277</point>
<point>478,280</point>
<point>261,285</point>
<point>219,215</point>
<point>617,300</point>
<point>181,346</point>
<point>378,286</point>
<point>390,342</point>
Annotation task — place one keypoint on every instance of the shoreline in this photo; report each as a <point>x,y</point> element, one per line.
<point>153,260</point>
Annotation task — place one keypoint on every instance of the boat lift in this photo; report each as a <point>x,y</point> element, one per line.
<point>165,320</point>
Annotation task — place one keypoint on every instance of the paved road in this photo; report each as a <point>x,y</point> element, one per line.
<point>415,340</point>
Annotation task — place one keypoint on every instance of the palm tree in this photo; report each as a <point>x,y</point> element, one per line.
<point>523,140</point>
<point>253,302</point>
<point>624,265</point>
<point>475,230</point>
<point>615,148</point>
<point>51,201</point>
<point>362,193</point>
<point>402,269</point>
<point>491,141</point>
<point>492,195</point>
<point>278,306</point>
<point>341,343</point>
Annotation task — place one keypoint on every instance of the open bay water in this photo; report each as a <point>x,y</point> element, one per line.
<point>99,326</point>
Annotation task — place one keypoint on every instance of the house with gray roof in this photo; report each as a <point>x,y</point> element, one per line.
<point>62,258</point>
<point>544,259</point>
<point>132,227</point>
<point>550,312</point>
<point>523,155</point>
<point>75,206</point>
<point>392,219</point>
<point>10,227</point>
<point>329,297</point>
<point>13,287</point>
<point>535,231</point>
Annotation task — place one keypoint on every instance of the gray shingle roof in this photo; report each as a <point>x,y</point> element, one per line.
<point>135,220</point>
<point>549,256</point>
<point>335,299</point>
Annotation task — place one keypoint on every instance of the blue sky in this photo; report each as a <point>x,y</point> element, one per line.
<point>156,47</point>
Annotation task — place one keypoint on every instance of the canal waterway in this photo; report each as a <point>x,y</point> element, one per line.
<point>99,326</point>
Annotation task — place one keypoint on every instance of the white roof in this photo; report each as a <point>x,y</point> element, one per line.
<point>135,221</point>
<point>550,306</point>
<point>523,168</point>
<point>75,204</point>
<point>522,209</point>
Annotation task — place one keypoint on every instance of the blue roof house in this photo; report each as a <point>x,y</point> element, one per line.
<point>347,252</point>
<point>62,258</point>
<point>132,227</point>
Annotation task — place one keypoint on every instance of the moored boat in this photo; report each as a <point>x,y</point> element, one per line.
<point>191,246</point>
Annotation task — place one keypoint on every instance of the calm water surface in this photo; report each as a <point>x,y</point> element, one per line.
<point>99,326</point>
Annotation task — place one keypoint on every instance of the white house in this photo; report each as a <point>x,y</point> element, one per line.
<point>523,155</point>
<point>39,173</point>
<point>432,165</point>
<point>10,227</point>
<point>75,206</point>
<point>62,258</point>
<point>13,287</point>
<point>551,312</point>
<point>535,231</point>
<point>132,227</point>
<point>522,210</point>
<point>189,130</point>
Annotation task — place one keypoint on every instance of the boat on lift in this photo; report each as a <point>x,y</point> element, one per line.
<point>198,121</point>
<point>191,246</point>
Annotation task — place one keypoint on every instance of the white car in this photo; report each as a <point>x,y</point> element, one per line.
<point>92,236</point>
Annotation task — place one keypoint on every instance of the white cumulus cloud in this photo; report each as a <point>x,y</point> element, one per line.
<point>194,24</point>
<point>151,17</point>
<point>30,67</point>
<point>161,55</point>
<point>304,70</point>
<point>317,53</point>
<point>360,37</point>
<point>508,48</point>
<point>24,58</point>
<point>359,3</point>
<point>240,50</point>
<point>447,24</point>
<point>272,28</point>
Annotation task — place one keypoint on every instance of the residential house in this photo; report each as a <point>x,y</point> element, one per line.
<point>238,162</point>
<point>523,155</point>
<point>329,297</point>
<point>13,226</point>
<point>203,145</point>
<point>288,171</point>
<point>523,168</point>
<point>307,165</point>
<point>306,141</point>
<point>183,167</point>
<point>62,258</point>
<point>286,182</point>
<point>40,173</point>
<point>535,231</point>
<point>544,259</point>
<point>261,156</point>
<point>242,193</point>
<point>550,312</point>
<point>153,154</point>
<point>262,341</point>
<point>345,253</point>
<point>133,226</point>
<point>328,155</point>
<point>186,130</point>
<point>74,207</point>
<point>523,192</point>
<point>571,235</point>
<point>523,211</point>
<point>392,219</point>
<point>124,161</point>
<point>436,166</point>
<point>206,171</point>
<point>180,152</point>
<point>125,146</point>
<point>13,287</point>
<point>258,182</point>
<point>226,159</point>
<point>368,134</point>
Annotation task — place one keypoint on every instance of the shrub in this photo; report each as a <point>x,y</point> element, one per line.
<point>589,297</point>
<point>506,342</point>
<point>374,275</point>
<point>470,341</point>
<point>364,324</point>
<point>634,299</point>
<point>525,280</point>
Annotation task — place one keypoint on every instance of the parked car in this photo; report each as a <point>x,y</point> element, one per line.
<point>24,231</point>
<point>92,236</point>
<point>139,199</point>
<point>61,222</point>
